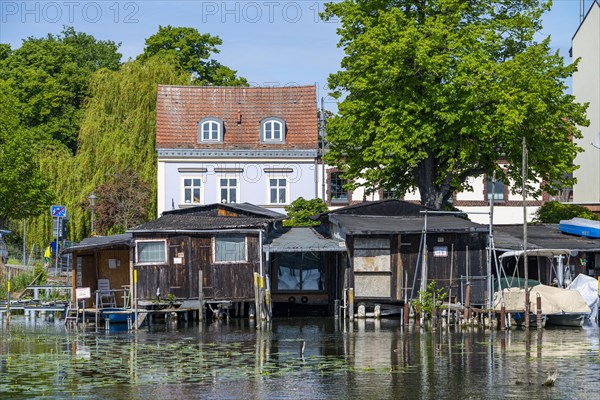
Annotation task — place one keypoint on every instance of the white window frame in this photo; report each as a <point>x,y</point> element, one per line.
<point>209,122</point>
<point>214,249</point>
<point>164,243</point>
<point>237,189</point>
<point>183,189</point>
<point>272,122</point>
<point>277,187</point>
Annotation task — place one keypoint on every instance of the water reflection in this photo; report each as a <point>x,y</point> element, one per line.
<point>296,358</point>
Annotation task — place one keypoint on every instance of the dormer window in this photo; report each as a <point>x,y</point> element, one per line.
<point>210,130</point>
<point>272,130</point>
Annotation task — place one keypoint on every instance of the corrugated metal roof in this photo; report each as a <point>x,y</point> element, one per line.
<point>373,225</point>
<point>301,239</point>
<point>102,242</point>
<point>212,216</point>
<point>389,207</point>
<point>213,209</point>
<point>541,236</point>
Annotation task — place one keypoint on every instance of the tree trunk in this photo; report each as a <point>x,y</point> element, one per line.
<point>432,195</point>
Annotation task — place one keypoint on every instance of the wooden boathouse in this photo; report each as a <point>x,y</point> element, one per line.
<point>204,253</point>
<point>305,268</point>
<point>384,242</point>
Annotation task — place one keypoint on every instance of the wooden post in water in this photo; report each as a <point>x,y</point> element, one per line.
<point>135,299</point>
<point>502,317</point>
<point>539,311</point>
<point>351,304</point>
<point>406,313</point>
<point>200,295</point>
<point>256,298</point>
<point>467,310</point>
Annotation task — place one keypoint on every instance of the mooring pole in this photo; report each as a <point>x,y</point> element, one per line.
<point>539,311</point>
<point>200,295</point>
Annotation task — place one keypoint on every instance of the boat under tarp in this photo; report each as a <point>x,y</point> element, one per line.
<point>588,287</point>
<point>580,227</point>
<point>560,306</point>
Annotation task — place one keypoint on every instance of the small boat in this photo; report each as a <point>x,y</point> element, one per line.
<point>565,319</point>
<point>117,315</point>
<point>580,227</point>
<point>561,307</point>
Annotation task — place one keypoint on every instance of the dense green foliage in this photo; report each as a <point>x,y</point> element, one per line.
<point>82,122</point>
<point>553,212</point>
<point>192,50</point>
<point>50,77</point>
<point>19,281</point>
<point>439,91</point>
<point>300,211</point>
<point>23,189</point>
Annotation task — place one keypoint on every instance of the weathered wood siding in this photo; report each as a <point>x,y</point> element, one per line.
<point>389,273</point>
<point>466,255</point>
<point>187,255</point>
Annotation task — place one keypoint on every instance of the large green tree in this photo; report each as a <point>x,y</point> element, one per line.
<point>23,190</point>
<point>192,50</point>
<point>50,76</point>
<point>437,91</point>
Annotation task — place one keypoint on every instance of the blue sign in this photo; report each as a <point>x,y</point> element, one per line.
<point>58,211</point>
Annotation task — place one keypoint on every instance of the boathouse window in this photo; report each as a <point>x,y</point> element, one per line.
<point>151,252</point>
<point>300,272</point>
<point>498,189</point>
<point>230,248</point>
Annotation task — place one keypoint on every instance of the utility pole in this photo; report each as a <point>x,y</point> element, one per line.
<point>525,263</point>
<point>322,132</point>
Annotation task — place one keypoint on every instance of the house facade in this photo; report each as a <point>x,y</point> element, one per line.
<point>586,89</point>
<point>236,144</point>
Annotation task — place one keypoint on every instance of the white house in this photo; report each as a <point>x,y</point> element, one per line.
<point>236,144</point>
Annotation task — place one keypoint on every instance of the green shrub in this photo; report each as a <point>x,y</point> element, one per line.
<point>553,212</point>
<point>432,295</point>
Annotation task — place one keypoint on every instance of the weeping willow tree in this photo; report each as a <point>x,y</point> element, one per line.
<point>117,138</point>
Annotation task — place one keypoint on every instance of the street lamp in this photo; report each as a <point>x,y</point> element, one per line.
<point>92,198</point>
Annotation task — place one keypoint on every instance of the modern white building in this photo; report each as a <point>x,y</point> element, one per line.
<point>586,89</point>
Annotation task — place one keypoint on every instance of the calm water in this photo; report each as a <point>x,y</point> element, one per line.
<point>232,360</point>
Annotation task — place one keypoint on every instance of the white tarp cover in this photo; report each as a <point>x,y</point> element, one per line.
<point>536,253</point>
<point>554,300</point>
<point>588,287</point>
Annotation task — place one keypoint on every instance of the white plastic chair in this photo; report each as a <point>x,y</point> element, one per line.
<point>106,298</point>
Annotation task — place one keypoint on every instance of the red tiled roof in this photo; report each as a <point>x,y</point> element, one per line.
<point>179,108</point>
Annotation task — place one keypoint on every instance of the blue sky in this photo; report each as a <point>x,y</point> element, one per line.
<point>268,42</point>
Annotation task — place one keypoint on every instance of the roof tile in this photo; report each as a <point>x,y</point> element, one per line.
<point>179,108</point>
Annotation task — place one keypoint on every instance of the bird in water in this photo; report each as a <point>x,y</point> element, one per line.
<point>551,379</point>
